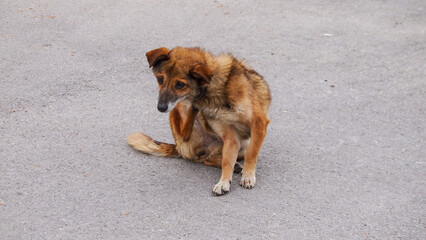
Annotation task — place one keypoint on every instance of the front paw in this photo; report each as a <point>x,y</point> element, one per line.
<point>248,181</point>
<point>221,188</point>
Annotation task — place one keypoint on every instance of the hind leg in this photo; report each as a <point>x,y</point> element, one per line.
<point>216,161</point>
<point>182,119</point>
<point>187,131</point>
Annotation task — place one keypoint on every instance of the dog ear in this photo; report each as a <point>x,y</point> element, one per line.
<point>202,72</point>
<point>157,55</point>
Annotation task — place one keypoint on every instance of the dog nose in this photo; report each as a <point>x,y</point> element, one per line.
<point>162,107</point>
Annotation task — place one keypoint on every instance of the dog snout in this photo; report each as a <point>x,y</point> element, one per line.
<point>162,107</point>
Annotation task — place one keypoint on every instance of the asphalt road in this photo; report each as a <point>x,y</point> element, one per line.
<point>344,157</point>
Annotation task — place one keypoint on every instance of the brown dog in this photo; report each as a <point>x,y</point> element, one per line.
<point>221,111</point>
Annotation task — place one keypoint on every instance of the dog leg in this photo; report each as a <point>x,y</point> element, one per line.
<point>187,127</point>
<point>231,146</point>
<point>214,161</point>
<point>182,120</point>
<point>258,133</point>
<point>175,122</point>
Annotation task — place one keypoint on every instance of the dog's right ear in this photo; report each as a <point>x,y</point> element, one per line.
<point>157,55</point>
<point>201,72</point>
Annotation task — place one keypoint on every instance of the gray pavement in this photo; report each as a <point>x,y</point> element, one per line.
<point>344,157</point>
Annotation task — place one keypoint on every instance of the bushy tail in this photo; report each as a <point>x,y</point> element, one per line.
<point>143,143</point>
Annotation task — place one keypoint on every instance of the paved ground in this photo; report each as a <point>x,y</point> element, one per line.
<point>344,157</point>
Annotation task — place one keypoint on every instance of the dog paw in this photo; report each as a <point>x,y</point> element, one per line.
<point>238,167</point>
<point>248,181</point>
<point>221,188</point>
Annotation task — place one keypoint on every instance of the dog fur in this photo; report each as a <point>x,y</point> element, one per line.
<point>220,112</point>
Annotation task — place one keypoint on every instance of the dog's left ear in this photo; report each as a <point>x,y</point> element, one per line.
<point>202,72</point>
<point>157,55</point>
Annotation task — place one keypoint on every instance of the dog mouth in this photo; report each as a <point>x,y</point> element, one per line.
<point>171,105</point>
<point>167,107</point>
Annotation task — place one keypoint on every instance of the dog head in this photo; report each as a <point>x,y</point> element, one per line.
<point>181,73</point>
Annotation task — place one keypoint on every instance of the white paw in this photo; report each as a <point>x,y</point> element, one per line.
<point>248,181</point>
<point>221,188</point>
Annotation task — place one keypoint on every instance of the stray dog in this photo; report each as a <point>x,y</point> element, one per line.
<point>218,111</point>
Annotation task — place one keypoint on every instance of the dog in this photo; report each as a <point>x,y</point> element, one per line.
<point>218,111</point>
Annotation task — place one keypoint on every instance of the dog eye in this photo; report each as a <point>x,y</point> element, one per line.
<point>160,80</point>
<point>180,85</point>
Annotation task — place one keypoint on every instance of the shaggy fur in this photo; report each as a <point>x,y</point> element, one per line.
<point>220,112</point>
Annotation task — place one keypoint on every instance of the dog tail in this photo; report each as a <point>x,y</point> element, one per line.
<point>143,143</point>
